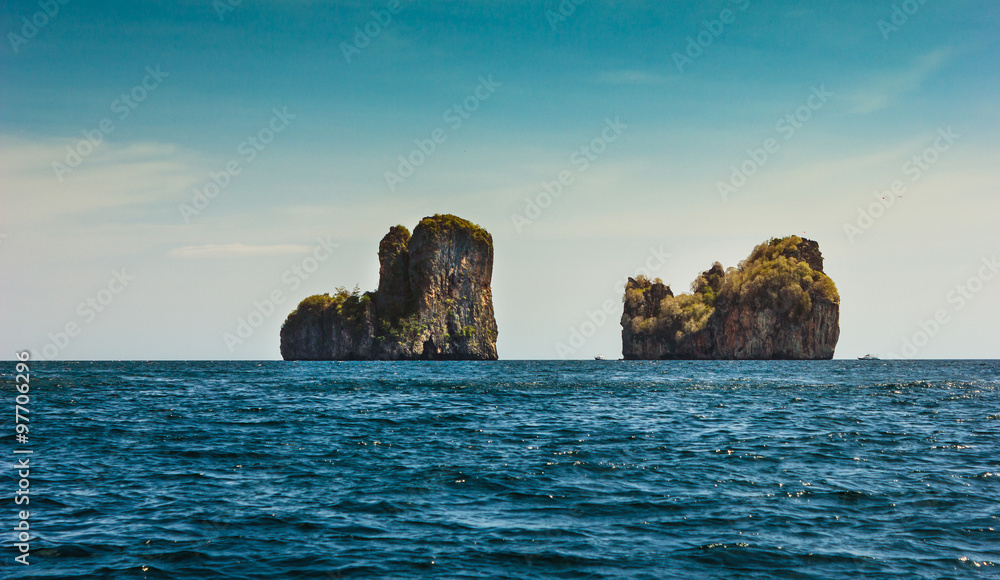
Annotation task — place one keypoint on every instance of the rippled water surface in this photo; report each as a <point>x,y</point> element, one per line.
<point>622,470</point>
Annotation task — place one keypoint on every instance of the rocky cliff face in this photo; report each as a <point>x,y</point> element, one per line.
<point>433,302</point>
<point>778,304</point>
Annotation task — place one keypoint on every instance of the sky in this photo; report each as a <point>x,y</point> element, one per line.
<point>171,172</point>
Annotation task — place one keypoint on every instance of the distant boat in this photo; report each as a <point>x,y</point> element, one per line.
<point>869,357</point>
<point>600,357</point>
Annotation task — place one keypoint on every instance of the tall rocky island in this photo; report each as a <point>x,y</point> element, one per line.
<point>777,304</point>
<point>433,302</point>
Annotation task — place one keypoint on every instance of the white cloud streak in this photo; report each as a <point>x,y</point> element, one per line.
<point>237,250</point>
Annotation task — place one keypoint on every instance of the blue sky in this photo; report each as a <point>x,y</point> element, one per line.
<point>555,84</point>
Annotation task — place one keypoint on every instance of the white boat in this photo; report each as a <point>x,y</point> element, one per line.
<point>869,357</point>
<point>600,357</point>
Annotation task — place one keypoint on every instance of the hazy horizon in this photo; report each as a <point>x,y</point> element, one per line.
<point>116,117</point>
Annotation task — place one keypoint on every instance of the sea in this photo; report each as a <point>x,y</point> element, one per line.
<point>510,469</point>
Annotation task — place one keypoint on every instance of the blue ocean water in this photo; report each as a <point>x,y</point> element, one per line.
<point>624,470</point>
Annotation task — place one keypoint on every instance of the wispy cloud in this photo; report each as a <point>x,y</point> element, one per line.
<point>112,176</point>
<point>888,87</point>
<point>237,250</point>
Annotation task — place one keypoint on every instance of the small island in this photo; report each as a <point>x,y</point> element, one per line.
<point>434,302</point>
<point>777,304</point>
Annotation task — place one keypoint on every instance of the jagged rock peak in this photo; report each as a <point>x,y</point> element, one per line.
<point>434,301</point>
<point>394,296</point>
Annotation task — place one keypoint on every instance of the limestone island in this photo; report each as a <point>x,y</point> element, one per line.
<point>433,302</point>
<point>777,304</point>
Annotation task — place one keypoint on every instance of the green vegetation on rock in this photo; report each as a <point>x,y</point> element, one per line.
<point>402,329</point>
<point>776,273</point>
<point>312,305</point>
<point>441,223</point>
<point>349,305</point>
<point>776,276</point>
<point>395,241</point>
